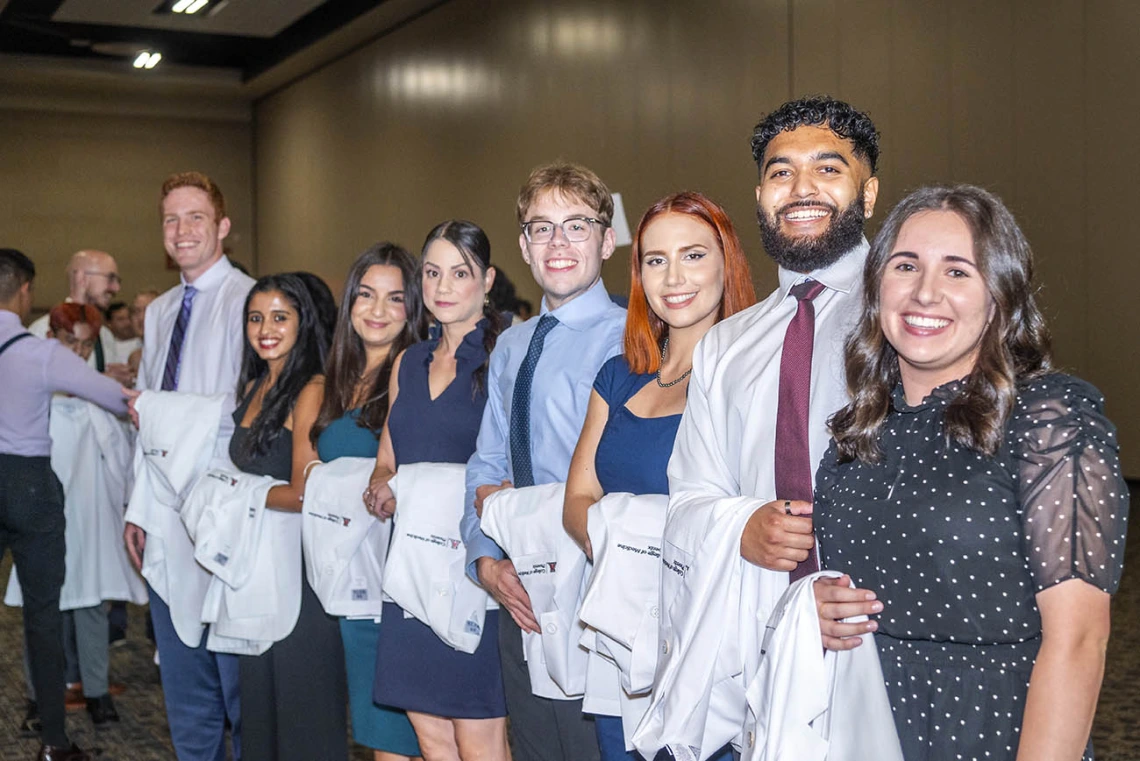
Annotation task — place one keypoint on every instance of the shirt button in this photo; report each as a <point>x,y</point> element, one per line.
<point>552,628</point>
<point>751,738</point>
<point>665,647</point>
<point>654,611</point>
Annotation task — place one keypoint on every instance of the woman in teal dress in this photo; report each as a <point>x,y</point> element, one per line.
<point>380,315</point>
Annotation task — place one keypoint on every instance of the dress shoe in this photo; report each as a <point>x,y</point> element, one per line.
<point>102,710</point>
<point>73,699</point>
<point>61,753</point>
<point>30,726</point>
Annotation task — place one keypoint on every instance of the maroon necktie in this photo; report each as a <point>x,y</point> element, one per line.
<point>793,455</point>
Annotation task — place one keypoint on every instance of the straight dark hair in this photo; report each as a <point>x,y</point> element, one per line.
<point>344,370</point>
<point>1014,347</point>
<point>475,249</point>
<point>15,270</point>
<point>305,361</point>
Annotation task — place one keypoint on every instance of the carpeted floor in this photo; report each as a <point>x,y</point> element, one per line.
<point>142,734</point>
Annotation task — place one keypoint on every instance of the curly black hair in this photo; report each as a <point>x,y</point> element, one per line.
<point>815,111</point>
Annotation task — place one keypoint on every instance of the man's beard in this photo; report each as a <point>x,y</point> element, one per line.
<point>809,253</point>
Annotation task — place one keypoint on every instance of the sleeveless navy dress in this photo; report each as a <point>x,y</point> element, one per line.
<point>415,669</point>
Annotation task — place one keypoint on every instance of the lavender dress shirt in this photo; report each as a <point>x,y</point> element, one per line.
<point>33,369</point>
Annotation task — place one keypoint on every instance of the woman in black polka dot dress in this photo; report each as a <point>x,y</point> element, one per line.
<point>972,493</point>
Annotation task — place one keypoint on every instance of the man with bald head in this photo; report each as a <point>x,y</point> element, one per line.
<point>92,278</point>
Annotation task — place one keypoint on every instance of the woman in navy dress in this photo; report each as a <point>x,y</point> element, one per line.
<point>438,390</point>
<point>380,316</point>
<point>972,492</point>
<point>292,696</point>
<point>688,272</point>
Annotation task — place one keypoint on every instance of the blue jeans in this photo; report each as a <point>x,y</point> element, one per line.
<point>201,690</point>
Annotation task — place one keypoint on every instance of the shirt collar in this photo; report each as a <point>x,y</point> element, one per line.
<point>211,278</point>
<point>843,275</point>
<point>582,312</point>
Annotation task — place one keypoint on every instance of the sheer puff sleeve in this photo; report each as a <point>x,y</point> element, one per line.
<point>1074,501</point>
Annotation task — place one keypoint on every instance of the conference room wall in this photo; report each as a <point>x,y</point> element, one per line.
<point>80,179</point>
<point>445,116</point>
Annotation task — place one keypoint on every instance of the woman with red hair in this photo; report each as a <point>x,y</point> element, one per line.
<point>76,326</point>
<point>688,272</point>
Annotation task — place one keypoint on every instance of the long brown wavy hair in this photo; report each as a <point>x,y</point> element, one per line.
<point>344,368</point>
<point>1014,347</point>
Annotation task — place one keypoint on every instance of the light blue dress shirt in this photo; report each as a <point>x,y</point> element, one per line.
<point>589,332</point>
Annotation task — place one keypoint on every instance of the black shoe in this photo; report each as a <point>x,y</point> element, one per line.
<point>62,753</point>
<point>102,710</point>
<point>30,726</point>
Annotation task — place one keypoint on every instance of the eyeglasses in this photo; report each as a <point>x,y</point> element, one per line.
<point>112,277</point>
<point>574,229</point>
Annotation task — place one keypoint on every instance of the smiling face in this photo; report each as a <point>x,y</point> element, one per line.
<point>682,271</point>
<point>934,303</point>
<point>272,326</point>
<point>191,234</point>
<point>453,291</point>
<point>565,270</point>
<point>80,339</point>
<point>378,313</point>
<point>813,196</point>
<point>100,278</point>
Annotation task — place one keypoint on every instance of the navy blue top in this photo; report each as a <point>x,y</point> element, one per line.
<point>443,429</point>
<point>344,438</point>
<point>633,452</point>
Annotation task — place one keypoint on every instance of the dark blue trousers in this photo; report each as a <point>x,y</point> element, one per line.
<point>201,690</point>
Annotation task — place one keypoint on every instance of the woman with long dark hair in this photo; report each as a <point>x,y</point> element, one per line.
<point>292,696</point>
<point>437,394</point>
<point>972,492</point>
<point>688,272</point>
<point>381,314</point>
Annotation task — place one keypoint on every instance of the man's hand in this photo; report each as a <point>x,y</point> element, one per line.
<point>482,492</point>
<point>120,372</point>
<point>778,535</point>
<point>132,397</point>
<point>499,578</point>
<point>835,600</point>
<point>135,538</point>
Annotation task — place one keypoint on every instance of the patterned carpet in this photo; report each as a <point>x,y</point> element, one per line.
<point>142,734</point>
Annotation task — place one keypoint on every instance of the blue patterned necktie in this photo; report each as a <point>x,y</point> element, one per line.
<point>520,404</point>
<point>174,354</point>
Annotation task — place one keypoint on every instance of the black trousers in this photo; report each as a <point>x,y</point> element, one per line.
<point>541,729</point>
<point>31,524</point>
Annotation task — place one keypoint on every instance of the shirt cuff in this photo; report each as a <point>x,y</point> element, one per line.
<point>481,546</point>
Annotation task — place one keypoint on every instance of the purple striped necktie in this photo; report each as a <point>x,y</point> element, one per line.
<point>793,455</point>
<point>174,353</point>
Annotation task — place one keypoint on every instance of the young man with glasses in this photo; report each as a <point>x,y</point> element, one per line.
<point>92,278</point>
<point>564,213</point>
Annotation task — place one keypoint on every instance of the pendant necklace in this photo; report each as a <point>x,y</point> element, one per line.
<point>684,375</point>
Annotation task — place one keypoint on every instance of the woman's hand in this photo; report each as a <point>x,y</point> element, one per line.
<point>378,497</point>
<point>836,600</point>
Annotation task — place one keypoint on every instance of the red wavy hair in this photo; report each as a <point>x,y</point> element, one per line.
<point>644,330</point>
<point>67,315</point>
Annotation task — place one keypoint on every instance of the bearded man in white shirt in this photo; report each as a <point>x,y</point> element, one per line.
<point>193,342</point>
<point>817,159</point>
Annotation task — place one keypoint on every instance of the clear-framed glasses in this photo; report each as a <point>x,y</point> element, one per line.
<point>112,277</point>
<point>574,229</point>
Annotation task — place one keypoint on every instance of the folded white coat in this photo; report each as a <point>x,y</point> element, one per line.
<point>90,454</point>
<point>178,440</point>
<point>345,546</point>
<point>527,524</point>
<point>426,569</point>
<point>254,554</point>
<point>811,705</point>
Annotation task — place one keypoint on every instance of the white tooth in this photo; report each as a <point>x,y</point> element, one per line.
<point>679,299</point>
<point>926,322</point>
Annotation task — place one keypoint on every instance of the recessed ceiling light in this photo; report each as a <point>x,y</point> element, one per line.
<point>146,59</point>
<point>188,7</point>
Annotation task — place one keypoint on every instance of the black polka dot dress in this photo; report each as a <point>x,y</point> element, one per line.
<point>957,544</point>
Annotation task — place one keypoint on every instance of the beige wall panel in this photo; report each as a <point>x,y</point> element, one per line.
<point>1050,148</point>
<point>70,181</point>
<point>1112,93</point>
<point>446,117</point>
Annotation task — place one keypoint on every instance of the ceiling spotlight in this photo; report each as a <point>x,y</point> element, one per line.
<point>185,7</point>
<point>147,60</point>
